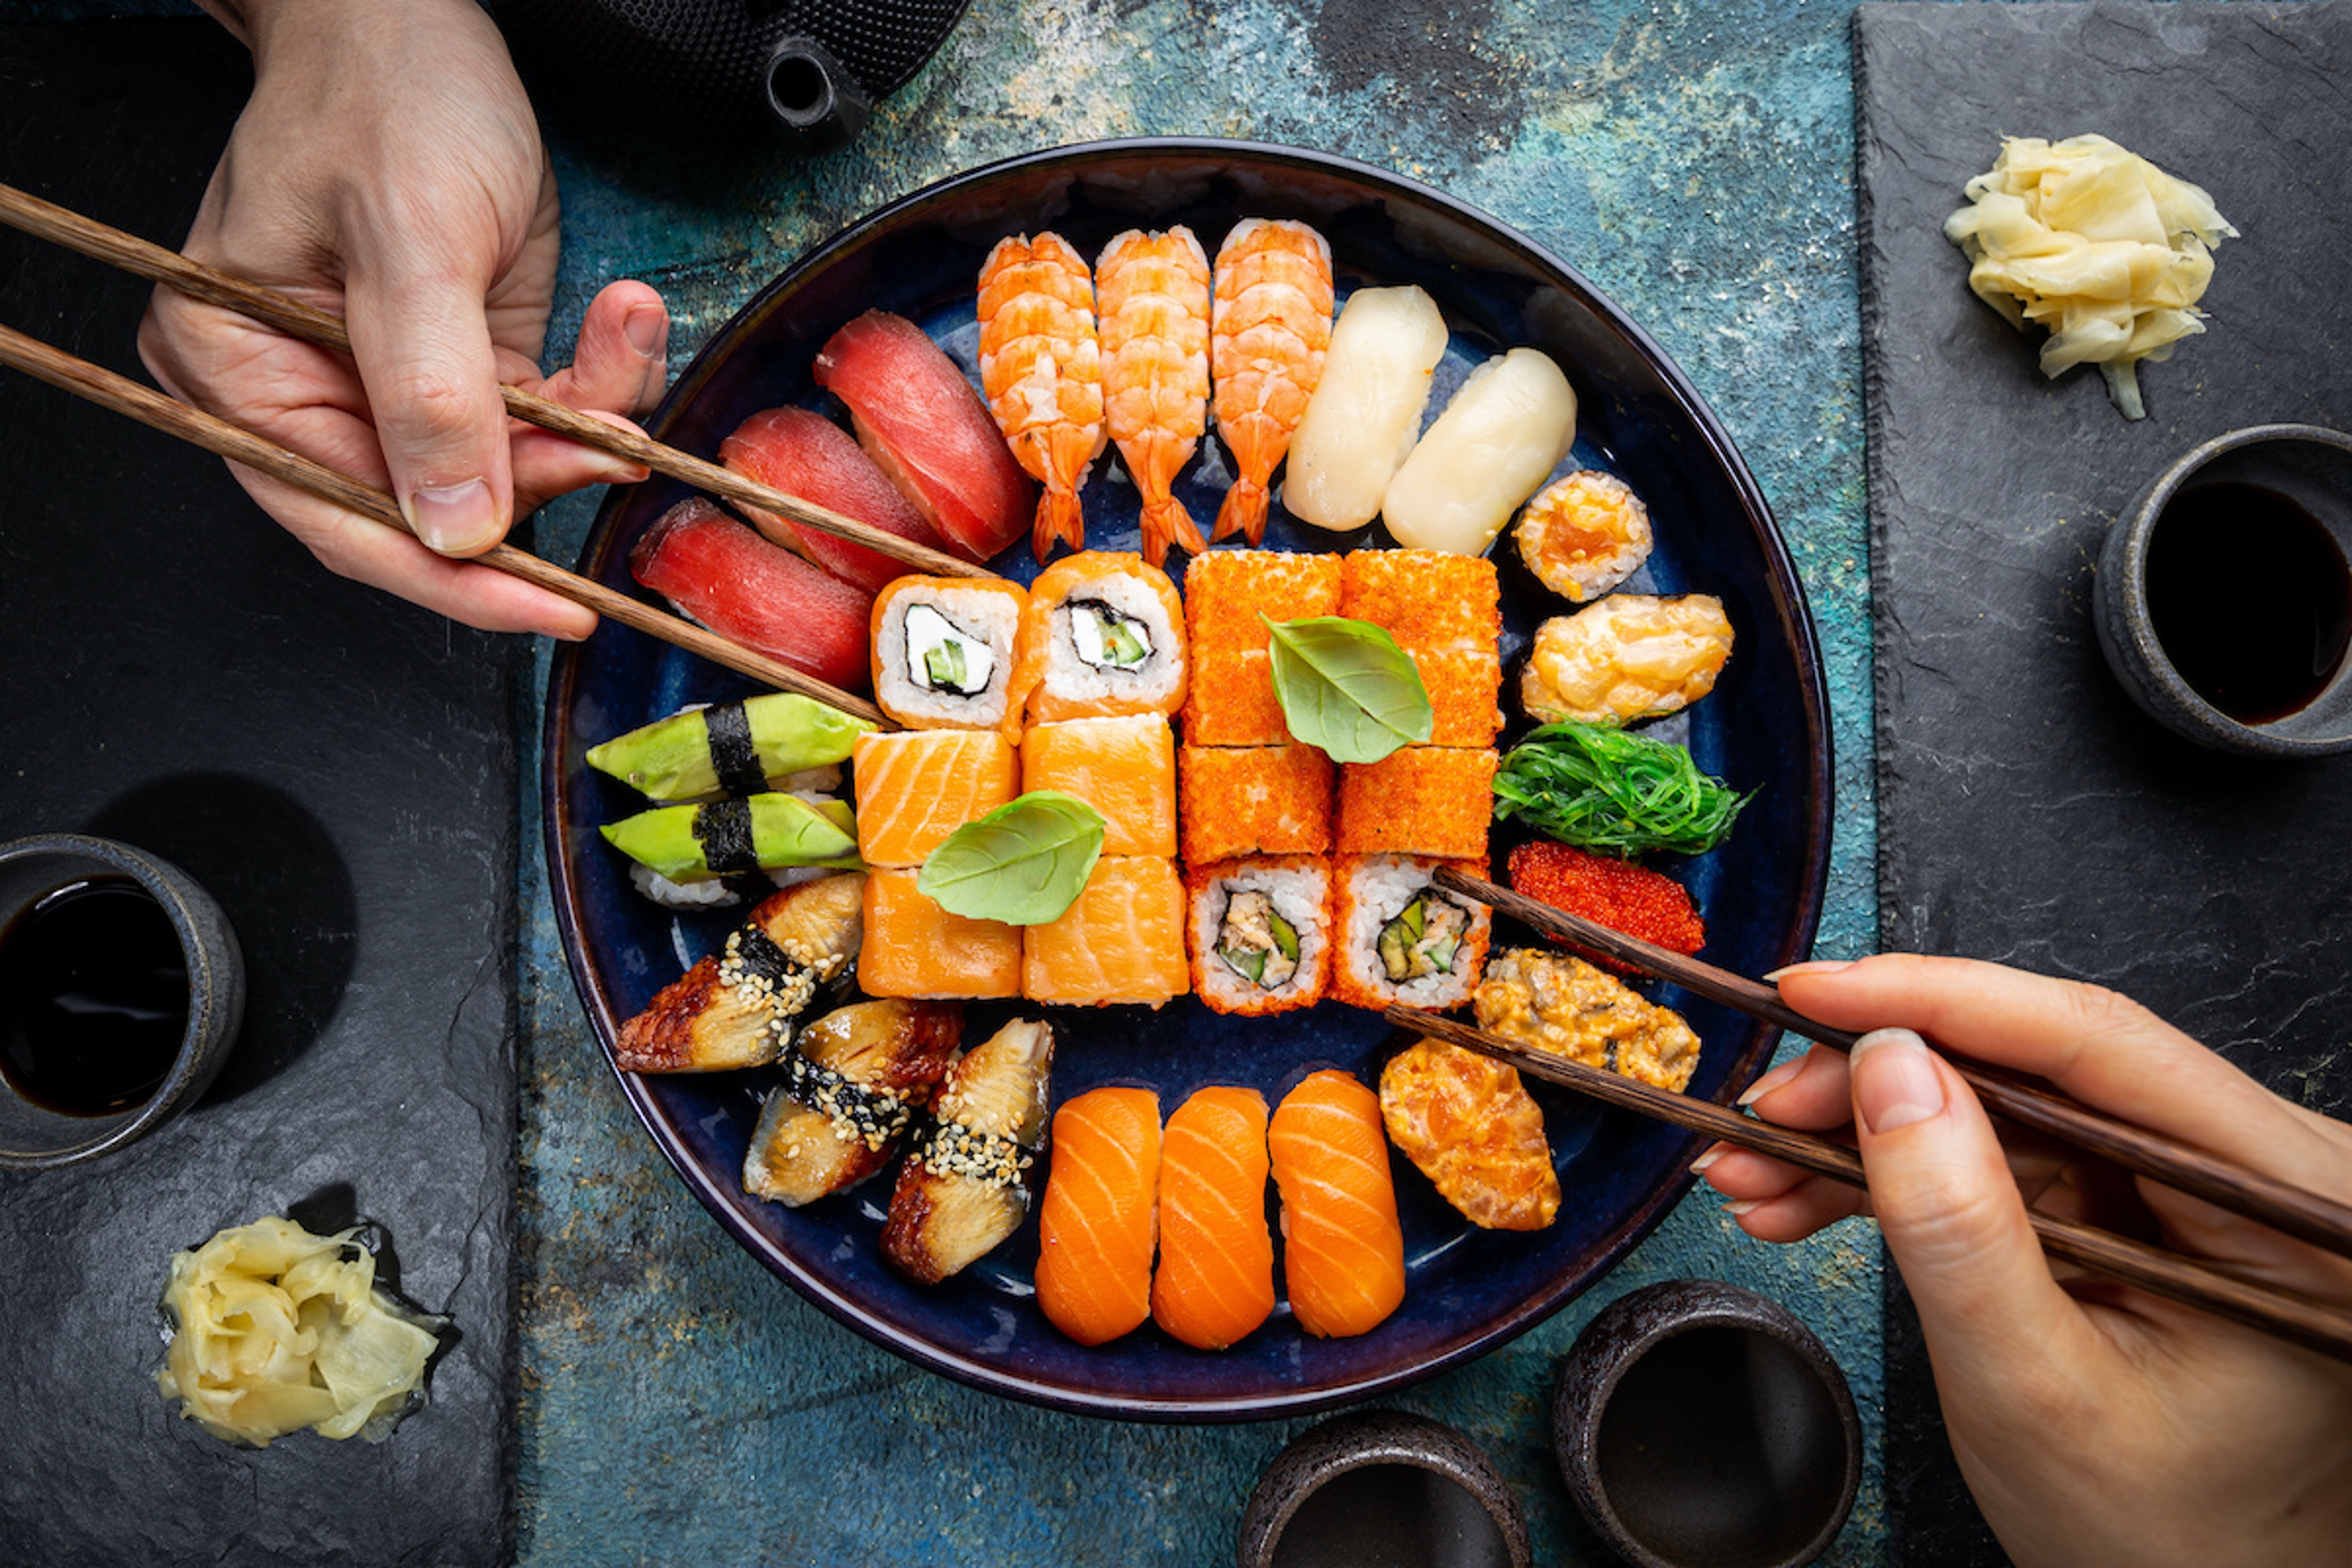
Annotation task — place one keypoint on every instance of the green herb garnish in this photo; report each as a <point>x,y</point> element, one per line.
<point>1614,792</point>
<point>1346,687</point>
<point>1024,863</point>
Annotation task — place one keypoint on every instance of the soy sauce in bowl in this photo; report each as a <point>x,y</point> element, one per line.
<point>93,997</point>
<point>2258,658</point>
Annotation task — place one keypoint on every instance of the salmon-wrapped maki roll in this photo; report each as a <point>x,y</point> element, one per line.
<point>964,1186</point>
<point>1125,768</point>
<point>1107,636</point>
<point>1121,940</point>
<point>853,1081</point>
<point>949,655</point>
<point>1098,1226</point>
<point>738,1007</point>
<point>914,948</point>
<point>1261,934</point>
<point>1215,1283</point>
<point>1342,1248</point>
<point>917,786</point>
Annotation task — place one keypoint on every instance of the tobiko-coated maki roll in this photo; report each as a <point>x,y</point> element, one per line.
<point>1260,933</point>
<point>1107,635</point>
<point>964,1186</point>
<point>1418,800</point>
<point>947,654</point>
<point>1404,940</point>
<point>1239,801</point>
<point>853,1083</point>
<point>738,1007</point>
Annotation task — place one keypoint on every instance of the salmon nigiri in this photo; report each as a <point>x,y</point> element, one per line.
<point>1343,1251</point>
<point>1097,1226</point>
<point>1152,293</point>
<point>1215,1282</point>
<point>1269,328</point>
<point>1041,368</point>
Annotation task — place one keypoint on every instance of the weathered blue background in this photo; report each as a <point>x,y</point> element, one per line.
<point>1695,159</point>
<point>678,1404</point>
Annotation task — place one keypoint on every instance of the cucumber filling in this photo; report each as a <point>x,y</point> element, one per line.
<point>1422,938</point>
<point>1108,637</point>
<point>1256,944</point>
<point>944,657</point>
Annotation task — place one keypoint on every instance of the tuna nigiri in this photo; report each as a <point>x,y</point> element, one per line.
<point>1152,292</point>
<point>921,422</point>
<point>1215,1282</point>
<point>1097,1226</point>
<point>1041,367</point>
<point>1269,331</point>
<point>808,456</point>
<point>763,595</point>
<point>1342,1249</point>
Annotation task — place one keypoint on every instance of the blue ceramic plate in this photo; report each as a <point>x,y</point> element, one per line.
<point>1763,729</point>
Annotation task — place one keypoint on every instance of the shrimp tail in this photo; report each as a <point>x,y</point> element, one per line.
<point>1242,512</point>
<point>1166,522</point>
<point>1059,518</point>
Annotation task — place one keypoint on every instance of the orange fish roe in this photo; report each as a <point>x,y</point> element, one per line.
<point>1615,893</point>
<point>1225,591</point>
<point>1231,701</point>
<point>1420,800</point>
<point>1426,599</point>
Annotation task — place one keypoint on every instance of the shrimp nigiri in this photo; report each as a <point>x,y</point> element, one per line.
<point>1269,331</point>
<point>1041,367</point>
<point>1152,290</point>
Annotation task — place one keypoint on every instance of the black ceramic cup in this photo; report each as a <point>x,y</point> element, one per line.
<point>2216,589</point>
<point>1696,1423</point>
<point>1382,1488</point>
<point>35,873</point>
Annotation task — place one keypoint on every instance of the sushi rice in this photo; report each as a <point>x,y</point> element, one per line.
<point>1374,889</point>
<point>1299,889</point>
<point>983,626</point>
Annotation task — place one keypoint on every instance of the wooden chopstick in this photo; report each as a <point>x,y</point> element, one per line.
<point>2282,1205</point>
<point>71,229</point>
<point>174,417</point>
<point>2301,1319</point>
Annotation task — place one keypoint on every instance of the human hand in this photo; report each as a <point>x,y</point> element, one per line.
<point>388,170</point>
<point>2095,1423</point>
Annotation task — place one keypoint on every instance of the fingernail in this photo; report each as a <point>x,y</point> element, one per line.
<point>455,520</point>
<point>1896,1082</point>
<point>647,329</point>
<point>1741,1205</point>
<point>1698,1166</point>
<point>1811,966</point>
<point>1773,1080</point>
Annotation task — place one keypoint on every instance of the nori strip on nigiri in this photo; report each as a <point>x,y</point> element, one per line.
<point>737,837</point>
<point>730,748</point>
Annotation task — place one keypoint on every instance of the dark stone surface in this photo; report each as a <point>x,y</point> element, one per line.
<point>338,768</point>
<point>2027,812</point>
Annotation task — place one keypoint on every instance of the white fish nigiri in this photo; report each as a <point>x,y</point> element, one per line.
<point>1366,410</point>
<point>1507,428</point>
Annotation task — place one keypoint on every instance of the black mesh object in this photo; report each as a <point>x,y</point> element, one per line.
<point>708,70</point>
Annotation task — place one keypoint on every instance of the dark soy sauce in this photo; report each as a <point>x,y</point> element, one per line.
<point>93,999</point>
<point>2257,656</point>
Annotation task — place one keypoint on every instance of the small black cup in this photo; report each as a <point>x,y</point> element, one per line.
<point>1696,1423</point>
<point>1380,1487</point>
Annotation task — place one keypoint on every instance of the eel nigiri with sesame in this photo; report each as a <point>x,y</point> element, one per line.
<point>1342,1248</point>
<point>965,1183</point>
<point>1215,1282</point>
<point>852,1084</point>
<point>1099,1223</point>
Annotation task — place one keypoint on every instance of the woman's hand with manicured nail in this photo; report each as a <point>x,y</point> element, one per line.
<point>2095,1425</point>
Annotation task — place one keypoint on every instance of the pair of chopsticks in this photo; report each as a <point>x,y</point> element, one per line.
<point>2308,1217</point>
<point>48,221</point>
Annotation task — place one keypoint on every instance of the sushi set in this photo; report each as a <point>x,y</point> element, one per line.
<point>1245,903</point>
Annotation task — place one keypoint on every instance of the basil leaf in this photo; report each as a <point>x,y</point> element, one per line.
<point>1024,863</point>
<point>1346,687</point>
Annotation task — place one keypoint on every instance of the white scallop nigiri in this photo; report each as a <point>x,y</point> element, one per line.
<point>1505,430</point>
<point>1367,407</point>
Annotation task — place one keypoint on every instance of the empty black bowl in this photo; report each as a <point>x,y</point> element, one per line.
<point>1382,1488</point>
<point>1696,1423</point>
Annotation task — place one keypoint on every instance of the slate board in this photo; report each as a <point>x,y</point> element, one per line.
<point>2027,812</point>
<point>340,768</point>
